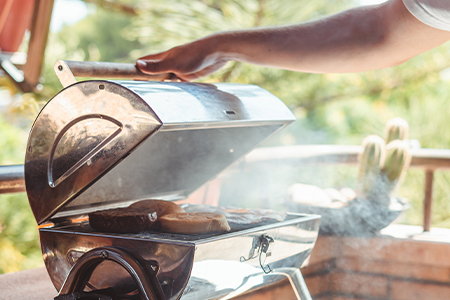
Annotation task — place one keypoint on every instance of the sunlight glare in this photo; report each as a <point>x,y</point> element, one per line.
<point>67,12</point>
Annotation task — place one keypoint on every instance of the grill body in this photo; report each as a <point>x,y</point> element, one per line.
<point>190,267</point>
<point>101,144</point>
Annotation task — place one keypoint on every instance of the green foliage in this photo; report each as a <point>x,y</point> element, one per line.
<point>101,36</point>
<point>12,144</point>
<point>19,243</point>
<point>19,247</point>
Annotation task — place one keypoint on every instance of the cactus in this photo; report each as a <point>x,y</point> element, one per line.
<point>383,162</point>
<point>398,158</point>
<point>371,161</point>
<point>396,129</point>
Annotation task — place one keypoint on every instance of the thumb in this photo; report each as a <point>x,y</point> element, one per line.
<point>151,66</point>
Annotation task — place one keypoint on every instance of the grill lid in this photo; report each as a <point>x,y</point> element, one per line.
<point>100,144</point>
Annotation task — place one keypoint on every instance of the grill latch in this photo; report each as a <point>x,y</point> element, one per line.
<point>262,247</point>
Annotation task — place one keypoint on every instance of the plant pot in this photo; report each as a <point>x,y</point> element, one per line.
<point>15,19</point>
<point>360,217</point>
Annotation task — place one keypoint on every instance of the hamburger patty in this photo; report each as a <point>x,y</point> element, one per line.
<point>123,220</point>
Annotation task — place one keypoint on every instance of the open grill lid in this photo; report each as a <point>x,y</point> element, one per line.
<point>100,144</point>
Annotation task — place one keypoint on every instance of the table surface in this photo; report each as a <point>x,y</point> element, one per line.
<point>35,284</point>
<point>29,284</point>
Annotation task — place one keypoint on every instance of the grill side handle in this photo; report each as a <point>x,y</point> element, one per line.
<point>144,277</point>
<point>67,70</point>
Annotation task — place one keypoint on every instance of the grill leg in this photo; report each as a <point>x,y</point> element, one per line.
<point>297,282</point>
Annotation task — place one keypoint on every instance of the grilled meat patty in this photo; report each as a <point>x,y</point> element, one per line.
<point>194,223</point>
<point>123,220</point>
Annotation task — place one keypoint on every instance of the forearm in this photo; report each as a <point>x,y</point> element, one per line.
<point>361,39</point>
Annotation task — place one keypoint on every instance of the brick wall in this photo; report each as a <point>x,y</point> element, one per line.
<point>385,267</point>
<point>379,268</point>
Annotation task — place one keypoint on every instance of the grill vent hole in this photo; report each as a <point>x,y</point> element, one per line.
<point>230,112</point>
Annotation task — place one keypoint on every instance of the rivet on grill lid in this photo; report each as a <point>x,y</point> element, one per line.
<point>104,254</point>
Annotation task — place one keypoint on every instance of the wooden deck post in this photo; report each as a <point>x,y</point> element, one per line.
<point>428,201</point>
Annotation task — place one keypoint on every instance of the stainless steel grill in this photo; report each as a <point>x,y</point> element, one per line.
<point>102,144</point>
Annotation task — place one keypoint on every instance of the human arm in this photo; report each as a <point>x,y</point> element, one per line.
<point>360,39</point>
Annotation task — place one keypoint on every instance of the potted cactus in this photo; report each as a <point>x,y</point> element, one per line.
<point>382,166</point>
<point>383,163</point>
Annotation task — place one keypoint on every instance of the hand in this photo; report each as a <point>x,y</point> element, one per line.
<point>188,62</point>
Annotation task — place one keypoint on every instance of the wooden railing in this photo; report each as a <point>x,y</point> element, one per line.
<point>428,160</point>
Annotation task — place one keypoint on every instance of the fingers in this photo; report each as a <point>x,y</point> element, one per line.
<point>181,60</point>
<point>152,66</point>
<point>158,63</point>
<point>187,62</point>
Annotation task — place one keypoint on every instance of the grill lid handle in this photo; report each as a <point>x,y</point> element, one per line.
<point>66,70</point>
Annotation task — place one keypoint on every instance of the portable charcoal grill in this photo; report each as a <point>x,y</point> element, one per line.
<point>102,144</point>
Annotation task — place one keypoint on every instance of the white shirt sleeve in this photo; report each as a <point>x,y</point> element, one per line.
<point>435,13</point>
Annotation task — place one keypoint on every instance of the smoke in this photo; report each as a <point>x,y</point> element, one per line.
<point>264,183</point>
<point>275,185</point>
